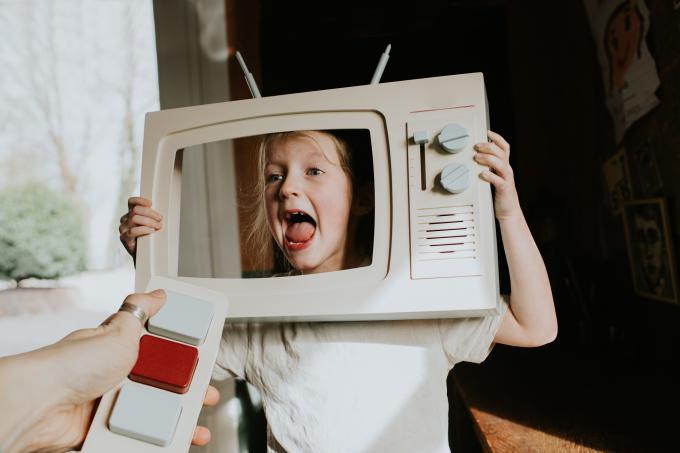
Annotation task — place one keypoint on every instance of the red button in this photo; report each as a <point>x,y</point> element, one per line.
<point>165,364</point>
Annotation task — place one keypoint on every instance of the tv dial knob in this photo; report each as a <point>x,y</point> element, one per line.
<point>455,178</point>
<point>453,138</point>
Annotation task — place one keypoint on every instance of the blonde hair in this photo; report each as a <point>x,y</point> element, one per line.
<point>259,235</point>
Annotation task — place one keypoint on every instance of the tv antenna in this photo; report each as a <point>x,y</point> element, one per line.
<point>250,80</point>
<point>381,65</point>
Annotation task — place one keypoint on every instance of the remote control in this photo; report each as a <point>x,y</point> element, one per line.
<point>156,408</point>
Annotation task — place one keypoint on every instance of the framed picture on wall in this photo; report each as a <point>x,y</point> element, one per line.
<point>650,249</point>
<point>617,180</point>
<point>645,167</point>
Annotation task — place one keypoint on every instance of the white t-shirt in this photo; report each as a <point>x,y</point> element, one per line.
<point>355,386</point>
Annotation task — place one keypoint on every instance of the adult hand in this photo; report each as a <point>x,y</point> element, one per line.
<point>47,396</point>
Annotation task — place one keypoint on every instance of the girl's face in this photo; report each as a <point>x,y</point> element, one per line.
<point>308,198</point>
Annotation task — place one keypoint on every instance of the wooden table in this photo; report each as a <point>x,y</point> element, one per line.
<point>523,400</point>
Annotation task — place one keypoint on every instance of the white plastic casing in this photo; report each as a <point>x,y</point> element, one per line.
<point>399,283</point>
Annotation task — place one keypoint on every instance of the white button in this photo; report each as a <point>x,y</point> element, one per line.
<point>183,318</point>
<point>146,413</point>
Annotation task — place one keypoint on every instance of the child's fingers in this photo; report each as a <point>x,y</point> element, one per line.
<point>493,149</point>
<point>130,245</point>
<point>140,220</point>
<point>139,231</point>
<point>128,242</point>
<point>500,167</point>
<point>500,141</point>
<point>493,178</point>
<point>134,201</point>
<point>148,212</point>
<point>129,237</point>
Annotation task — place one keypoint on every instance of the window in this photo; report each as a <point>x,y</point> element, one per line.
<point>77,78</point>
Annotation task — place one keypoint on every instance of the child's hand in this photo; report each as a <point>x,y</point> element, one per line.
<point>140,220</point>
<point>496,156</point>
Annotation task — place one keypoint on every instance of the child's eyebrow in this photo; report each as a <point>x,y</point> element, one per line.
<point>318,153</point>
<point>313,154</point>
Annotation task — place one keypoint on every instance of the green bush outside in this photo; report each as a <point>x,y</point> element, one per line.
<point>40,234</point>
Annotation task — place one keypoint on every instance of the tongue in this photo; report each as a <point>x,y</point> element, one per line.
<point>300,232</point>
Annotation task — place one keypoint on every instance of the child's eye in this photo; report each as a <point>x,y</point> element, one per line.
<point>273,178</point>
<point>314,172</point>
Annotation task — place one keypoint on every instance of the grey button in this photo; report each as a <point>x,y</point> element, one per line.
<point>146,413</point>
<point>455,178</point>
<point>453,138</point>
<point>183,318</point>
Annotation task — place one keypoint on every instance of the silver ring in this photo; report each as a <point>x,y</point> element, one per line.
<point>135,311</point>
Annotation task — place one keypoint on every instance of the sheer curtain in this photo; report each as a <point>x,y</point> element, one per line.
<point>192,69</point>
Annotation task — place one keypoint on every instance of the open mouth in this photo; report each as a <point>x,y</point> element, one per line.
<point>299,229</point>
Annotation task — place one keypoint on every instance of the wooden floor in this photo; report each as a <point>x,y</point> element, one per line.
<point>523,400</point>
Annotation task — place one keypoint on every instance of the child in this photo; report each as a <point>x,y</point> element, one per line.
<point>363,386</point>
<point>331,227</point>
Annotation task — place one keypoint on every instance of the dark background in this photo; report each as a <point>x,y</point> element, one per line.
<point>546,98</point>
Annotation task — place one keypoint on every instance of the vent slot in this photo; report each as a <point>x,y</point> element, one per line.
<point>446,233</point>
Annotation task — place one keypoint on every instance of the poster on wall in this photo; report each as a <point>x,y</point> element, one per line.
<point>628,70</point>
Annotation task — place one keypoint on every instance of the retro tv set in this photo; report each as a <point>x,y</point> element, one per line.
<point>428,239</point>
<point>433,250</point>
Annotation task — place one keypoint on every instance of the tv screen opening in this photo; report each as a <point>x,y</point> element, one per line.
<point>277,205</point>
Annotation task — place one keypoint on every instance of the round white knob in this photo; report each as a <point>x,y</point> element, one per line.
<point>455,178</point>
<point>453,138</point>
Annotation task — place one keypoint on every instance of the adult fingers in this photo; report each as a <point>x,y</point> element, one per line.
<point>201,436</point>
<point>105,354</point>
<point>127,323</point>
<point>212,396</point>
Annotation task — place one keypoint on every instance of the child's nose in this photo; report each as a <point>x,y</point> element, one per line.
<point>290,187</point>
